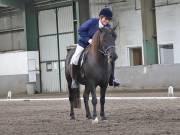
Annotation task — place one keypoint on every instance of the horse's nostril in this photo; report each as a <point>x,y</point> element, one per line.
<point>113,57</point>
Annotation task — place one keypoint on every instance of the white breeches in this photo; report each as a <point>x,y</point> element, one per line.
<point>76,55</point>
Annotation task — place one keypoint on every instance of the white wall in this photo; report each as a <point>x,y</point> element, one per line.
<point>168,27</point>
<point>17,68</point>
<point>149,77</point>
<point>33,65</point>
<point>13,63</point>
<point>130,27</point>
<point>129,31</point>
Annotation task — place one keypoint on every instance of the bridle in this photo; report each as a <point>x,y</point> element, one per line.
<point>105,51</point>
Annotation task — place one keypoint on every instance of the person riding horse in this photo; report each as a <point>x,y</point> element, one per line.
<point>86,32</point>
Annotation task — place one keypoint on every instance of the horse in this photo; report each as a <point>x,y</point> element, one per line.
<point>95,71</point>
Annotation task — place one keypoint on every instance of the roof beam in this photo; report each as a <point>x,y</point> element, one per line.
<point>13,3</point>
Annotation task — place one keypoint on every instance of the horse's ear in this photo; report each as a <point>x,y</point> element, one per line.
<point>114,28</point>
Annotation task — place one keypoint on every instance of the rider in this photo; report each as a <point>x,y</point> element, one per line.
<point>86,32</point>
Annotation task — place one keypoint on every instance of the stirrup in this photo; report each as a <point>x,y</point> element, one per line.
<point>114,83</point>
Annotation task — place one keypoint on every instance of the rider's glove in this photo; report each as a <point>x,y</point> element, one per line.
<point>90,41</point>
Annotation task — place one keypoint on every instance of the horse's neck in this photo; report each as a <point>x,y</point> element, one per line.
<point>98,57</point>
<point>95,48</point>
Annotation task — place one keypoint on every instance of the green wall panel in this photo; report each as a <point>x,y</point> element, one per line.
<point>31,27</point>
<point>150,49</point>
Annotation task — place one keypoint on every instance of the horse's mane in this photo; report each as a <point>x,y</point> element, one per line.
<point>98,37</point>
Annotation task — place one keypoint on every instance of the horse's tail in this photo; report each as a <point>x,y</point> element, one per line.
<point>77,100</point>
<point>74,93</point>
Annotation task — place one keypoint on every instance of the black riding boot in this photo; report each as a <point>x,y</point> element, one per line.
<point>112,81</point>
<point>74,71</point>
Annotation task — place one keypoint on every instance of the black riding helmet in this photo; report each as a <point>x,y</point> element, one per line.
<point>106,12</point>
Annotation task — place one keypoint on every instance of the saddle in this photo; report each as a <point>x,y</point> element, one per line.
<point>81,61</point>
<point>83,56</point>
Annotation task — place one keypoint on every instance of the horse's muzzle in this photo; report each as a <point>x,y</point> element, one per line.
<point>112,56</point>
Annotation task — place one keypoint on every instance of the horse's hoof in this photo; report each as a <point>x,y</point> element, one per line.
<point>95,120</point>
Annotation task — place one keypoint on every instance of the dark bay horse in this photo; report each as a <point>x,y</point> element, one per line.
<point>95,71</point>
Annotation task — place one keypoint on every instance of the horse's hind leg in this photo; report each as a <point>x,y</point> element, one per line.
<point>86,99</point>
<point>102,102</point>
<point>71,99</point>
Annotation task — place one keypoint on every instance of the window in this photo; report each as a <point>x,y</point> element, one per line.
<point>166,54</point>
<point>135,56</point>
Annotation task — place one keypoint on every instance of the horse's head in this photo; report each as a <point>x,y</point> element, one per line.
<point>106,42</point>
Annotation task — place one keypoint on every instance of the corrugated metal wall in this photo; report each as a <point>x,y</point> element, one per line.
<point>66,29</point>
<point>50,56</point>
<point>12,31</point>
<point>66,37</point>
<point>48,51</point>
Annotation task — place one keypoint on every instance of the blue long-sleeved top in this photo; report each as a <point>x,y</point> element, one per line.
<point>87,30</point>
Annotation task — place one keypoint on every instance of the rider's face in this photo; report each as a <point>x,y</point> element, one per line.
<point>104,20</point>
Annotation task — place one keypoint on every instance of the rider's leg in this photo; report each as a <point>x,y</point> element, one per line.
<point>112,81</point>
<point>74,67</point>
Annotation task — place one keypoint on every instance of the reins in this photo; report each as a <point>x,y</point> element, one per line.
<point>105,52</point>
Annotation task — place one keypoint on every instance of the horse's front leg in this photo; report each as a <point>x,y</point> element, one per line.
<point>86,100</point>
<point>102,102</point>
<point>94,101</point>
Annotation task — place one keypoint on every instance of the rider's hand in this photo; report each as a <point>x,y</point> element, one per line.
<point>90,41</point>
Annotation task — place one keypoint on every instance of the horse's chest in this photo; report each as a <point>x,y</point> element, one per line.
<point>104,75</point>
<point>99,73</point>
